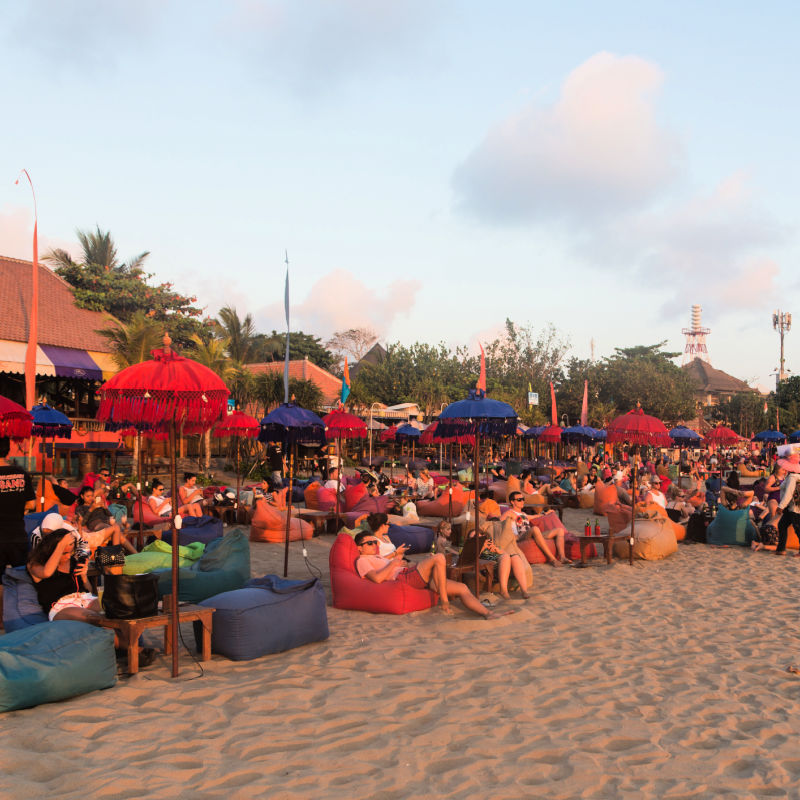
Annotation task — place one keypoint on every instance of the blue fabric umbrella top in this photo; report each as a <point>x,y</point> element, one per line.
<point>290,424</point>
<point>578,433</point>
<point>47,421</point>
<point>407,432</point>
<point>682,434</point>
<point>794,437</point>
<point>534,431</point>
<point>769,436</point>
<point>477,414</point>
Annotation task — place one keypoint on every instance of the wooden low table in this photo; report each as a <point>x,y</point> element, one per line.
<point>607,540</point>
<point>318,518</point>
<point>131,629</point>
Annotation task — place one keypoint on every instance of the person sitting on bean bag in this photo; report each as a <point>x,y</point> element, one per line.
<point>429,573</point>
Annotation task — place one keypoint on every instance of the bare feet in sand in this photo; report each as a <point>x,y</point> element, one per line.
<point>447,609</point>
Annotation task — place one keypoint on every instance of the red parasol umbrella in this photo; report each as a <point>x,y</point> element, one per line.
<point>15,421</point>
<point>722,436</point>
<point>388,435</point>
<point>551,434</point>
<point>637,428</point>
<point>162,394</point>
<point>339,424</point>
<point>241,426</point>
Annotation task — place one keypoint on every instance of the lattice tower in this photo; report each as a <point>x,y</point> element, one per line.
<point>696,338</point>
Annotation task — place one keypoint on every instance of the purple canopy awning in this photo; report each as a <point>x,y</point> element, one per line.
<point>72,363</point>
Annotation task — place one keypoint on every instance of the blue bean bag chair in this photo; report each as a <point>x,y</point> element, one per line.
<point>196,529</point>
<point>731,526</point>
<point>34,520</point>
<point>418,539</point>
<point>223,567</point>
<point>269,615</point>
<point>54,661</point>
<point>21,607</point>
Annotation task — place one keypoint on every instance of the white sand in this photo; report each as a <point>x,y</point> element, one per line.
<point>664,680</point>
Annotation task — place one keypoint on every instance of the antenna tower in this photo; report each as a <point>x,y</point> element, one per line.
<point>695,338</point>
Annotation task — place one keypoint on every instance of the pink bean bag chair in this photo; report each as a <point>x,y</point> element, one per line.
<point>354,494</point>
<point>368,505</point>
<point>351,591</point>
<point>269,525</point>
<point>149,519</point>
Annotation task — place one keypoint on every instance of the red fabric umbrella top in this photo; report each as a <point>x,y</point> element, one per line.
<point>552,433</point>
<point>347,426</point>
<point>15,421</point>
<point>429,434</point>
<point>637,427</point>
<point>238,424</point>
<point>722,435</point>
<point>168,387</point>
<point>388,434</point>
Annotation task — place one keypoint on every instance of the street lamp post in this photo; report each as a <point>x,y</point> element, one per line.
<point>782,323</point>
<point>370,433</point>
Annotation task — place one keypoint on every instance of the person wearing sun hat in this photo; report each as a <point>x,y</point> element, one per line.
<point>789,504</point>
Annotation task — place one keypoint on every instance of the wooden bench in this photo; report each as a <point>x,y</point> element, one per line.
<point>130,630</point>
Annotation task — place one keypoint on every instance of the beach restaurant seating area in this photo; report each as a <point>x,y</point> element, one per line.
<point>43,661</point>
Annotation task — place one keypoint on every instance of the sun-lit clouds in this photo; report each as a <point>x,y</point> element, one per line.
<point>598,150</point>
<point>16,235</point>
<point>311,46</point>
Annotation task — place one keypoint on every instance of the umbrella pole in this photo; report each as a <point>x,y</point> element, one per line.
<point>633,516</point>
<point>139,485</point>
<point>475,510</point>
<point>238,482</point>
<point>338,483</point>
<point>289,512</point>
<point>450,489</point>
<point>175,543</point>
<point>44,459</point>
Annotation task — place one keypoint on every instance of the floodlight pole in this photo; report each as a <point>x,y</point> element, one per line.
<point>781,322</point>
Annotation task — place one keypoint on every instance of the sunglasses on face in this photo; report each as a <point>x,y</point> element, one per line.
<point>516,499</point>
<point>369,541</point>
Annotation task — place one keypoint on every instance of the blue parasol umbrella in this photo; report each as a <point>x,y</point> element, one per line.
<point>769,436</point>
<point>479,416</point>
<point>49,422</point>
<point>407,433</point>
<point>534,431</point>
<point>578,434</point>
<point>291,425</point>
<point>683,435</point>
<point>794,437</point>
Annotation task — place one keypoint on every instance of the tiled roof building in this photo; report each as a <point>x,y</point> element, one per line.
<point>305,370</point>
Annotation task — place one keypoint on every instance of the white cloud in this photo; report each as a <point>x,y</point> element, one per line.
<point>598,150</point>
<point>16,236</point>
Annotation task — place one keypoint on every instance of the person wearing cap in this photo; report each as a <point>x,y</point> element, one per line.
<point>789,503</point>
<point>53,522</point>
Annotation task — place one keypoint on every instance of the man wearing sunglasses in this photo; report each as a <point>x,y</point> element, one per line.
<point>430,573</point>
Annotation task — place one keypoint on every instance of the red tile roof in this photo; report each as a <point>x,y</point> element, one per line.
<point>61,322</point>
<point>305,370</point>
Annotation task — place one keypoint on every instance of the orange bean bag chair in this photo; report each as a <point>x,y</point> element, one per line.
<point>269,525</point>
<point>586,500</point>
<point>547,522</point>
<point>512,485</point>
<point>604,495</point>
<point>310,494</point>
<point>51,499</point>
<point>440,506</point>
<point>653,539</point>
<point>619,518</point>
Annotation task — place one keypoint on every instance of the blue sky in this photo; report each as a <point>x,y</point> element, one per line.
<point>431,168</point>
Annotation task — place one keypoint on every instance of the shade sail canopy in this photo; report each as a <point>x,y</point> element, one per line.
<point>290,423</point>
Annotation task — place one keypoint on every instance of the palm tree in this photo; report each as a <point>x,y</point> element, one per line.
<point>239,333</point>
<point>99,250</point>
<point>132,343</point>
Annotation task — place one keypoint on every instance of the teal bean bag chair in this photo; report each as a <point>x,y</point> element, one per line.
<point>223,567</point>
<point>53,661</point>
<point>731,526</point>
<point>158,555</point>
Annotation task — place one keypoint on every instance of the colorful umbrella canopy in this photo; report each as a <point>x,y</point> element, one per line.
<point>722,436</point>
<point>292,424</point>
<point>477,415</point>
<point>47,421</point>
<point>683,435</point>
<point>794,437</point>
<point>405,433</point>
<point>237,424</point>
<point>15,420</point>
<point>167,388</point>
<point>389,434</point>
<point>550,433</point>
<point>165,393</point>
<point>534,431</point>
<point>429,434</point>
<point>342,425</point>
<point>637,427</point>
<point>578,433</point>
<point>769,436</point>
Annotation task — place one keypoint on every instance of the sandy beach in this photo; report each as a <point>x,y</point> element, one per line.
<point>661,680</point>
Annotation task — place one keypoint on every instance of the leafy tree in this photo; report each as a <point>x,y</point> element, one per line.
<point>101,282</point>
<point>268,391</point>
<point>744,412</point>
<point>132,343</point>
<point>353,342</point>
<point>272,347</point>
<point>238,334</point>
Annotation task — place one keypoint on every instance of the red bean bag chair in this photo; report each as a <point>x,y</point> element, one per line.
<point>604,495</point>
<point>351,591</point>
<point>368,505</point>
<point>269,525</point>
<point>547,522</point>
<point>326,500</point>
<point>618,516</point>
<point>310,494</point>
<point>149,519</point>
<point>353,494</point>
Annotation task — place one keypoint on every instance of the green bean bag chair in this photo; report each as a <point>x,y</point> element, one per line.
<point>730,526</point>
<point>223,567</point>
<point>158,555</point>
<point>53,661</point>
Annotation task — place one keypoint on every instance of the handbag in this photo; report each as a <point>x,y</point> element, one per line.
<point>112,555</point>
<point>130,596</point>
